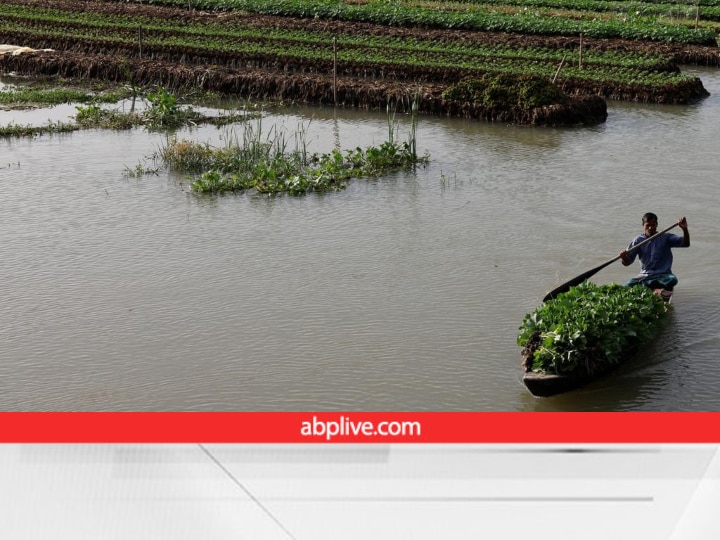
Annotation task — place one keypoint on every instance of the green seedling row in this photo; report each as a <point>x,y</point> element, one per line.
<point>383,53</point>
<point>680,14</point>
<point>396,14</point>
<point>94,25</point>
<point>271,52</point>
<point>316,46</point>
<point>646,7</point>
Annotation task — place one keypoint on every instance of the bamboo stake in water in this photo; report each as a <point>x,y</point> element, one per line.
<point>559,68</point>
<point>414,120</point>
<point>581,44</point>
<point>335,70</point>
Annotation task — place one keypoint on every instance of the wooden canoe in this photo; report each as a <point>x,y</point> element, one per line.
<point>550,384</point>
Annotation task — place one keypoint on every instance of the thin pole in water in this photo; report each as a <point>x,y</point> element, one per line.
<point>581,47</point>
<point>559,68</point>
<point>335,70</point>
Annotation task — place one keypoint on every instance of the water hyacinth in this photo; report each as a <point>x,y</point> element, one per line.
<point>264,163</point>
<point>239,169</point>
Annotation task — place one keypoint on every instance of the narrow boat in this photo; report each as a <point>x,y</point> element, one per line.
<point>542,384</point>
<point>549,384</point>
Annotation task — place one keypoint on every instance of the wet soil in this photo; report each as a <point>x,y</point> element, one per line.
<point>357,84</point>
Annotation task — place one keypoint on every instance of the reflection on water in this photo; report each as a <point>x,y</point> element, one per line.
<point>399,293</point>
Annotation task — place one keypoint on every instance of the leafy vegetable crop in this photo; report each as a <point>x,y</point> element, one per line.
<point>590,326</point>
<point>593,71</point>
<point>468,17</point>
<point>232,48</point>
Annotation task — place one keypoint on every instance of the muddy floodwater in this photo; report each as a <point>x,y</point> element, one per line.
<point>399,293</point>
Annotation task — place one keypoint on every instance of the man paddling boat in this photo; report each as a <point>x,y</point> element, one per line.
<point>655,257</point>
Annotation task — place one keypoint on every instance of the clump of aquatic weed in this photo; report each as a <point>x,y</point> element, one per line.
<point>188,156</point>
<point>23,97</point>
<point>92,116</point>
<point>163,112</point>
<point>17,130</point>
<point>140,170</point>
<point>265,164</point>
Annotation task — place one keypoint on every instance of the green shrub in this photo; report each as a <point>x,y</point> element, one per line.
<point>165,112</point>
<point>590,326</point>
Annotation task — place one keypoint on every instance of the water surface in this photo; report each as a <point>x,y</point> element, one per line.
<point>399,293</point>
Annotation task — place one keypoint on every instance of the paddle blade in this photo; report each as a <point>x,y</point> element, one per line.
<point>565,287</point>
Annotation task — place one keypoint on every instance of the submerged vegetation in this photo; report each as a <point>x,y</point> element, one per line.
<point>32,96</point>
<point>255,161</point>
<point>264,163</point>
<point>589,327</point>
<point>271,171</point>
<point>18,130</point>
<point>161,111</point>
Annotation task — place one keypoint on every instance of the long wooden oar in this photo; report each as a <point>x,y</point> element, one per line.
<point>582,277</point>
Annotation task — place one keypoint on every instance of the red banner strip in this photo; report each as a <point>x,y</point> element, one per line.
<point>357,427</point>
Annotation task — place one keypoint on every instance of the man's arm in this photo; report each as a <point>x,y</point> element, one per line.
<point>626,257</point>
<point>686,233</point>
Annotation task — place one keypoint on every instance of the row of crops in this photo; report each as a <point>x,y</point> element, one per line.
<point>683,23</point>
<point>239,38</point>
<point>235,43</point>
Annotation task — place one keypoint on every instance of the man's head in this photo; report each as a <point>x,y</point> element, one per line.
<point>650,223</point>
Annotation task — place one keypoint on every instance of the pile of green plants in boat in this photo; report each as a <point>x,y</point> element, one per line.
<point>264,163</point>
<point>589,328</point>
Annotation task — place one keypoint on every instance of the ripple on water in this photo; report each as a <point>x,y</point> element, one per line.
<point>399,293</point>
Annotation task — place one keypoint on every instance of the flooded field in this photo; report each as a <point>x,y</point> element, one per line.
<point>398,293</point>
